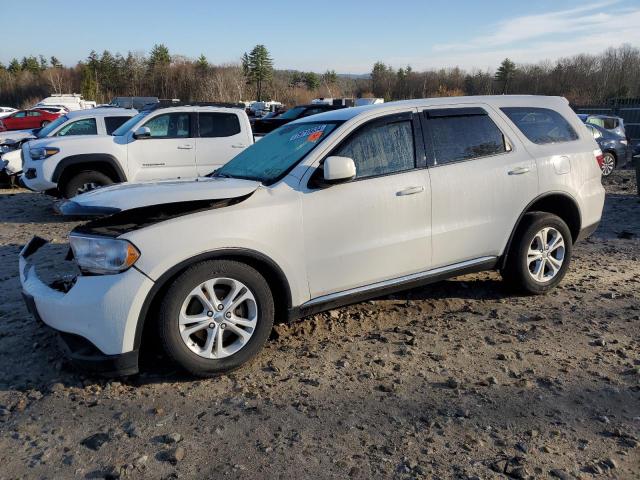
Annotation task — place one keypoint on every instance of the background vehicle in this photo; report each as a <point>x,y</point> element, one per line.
<point>266,125</point>
<point>325,211</point>
<point>55,109</point>
<point>99,121</point>
<point>6,111</point>
<point>615,148</point>
<point>71,101</point>
<point>612,124</point>
<point>24,119</point>
<point>137,103</point>
<point>165,141</point>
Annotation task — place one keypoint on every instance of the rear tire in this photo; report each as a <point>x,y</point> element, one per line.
<point>608,164</point>
<point>540,254</point>
<point>215,317</point>
<point>83,182</point>
<point>44,123</point>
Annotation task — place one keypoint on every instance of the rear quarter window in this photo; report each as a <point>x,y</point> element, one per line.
<point>541,125</point>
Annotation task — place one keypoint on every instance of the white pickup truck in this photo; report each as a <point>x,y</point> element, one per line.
<point>163,142</point>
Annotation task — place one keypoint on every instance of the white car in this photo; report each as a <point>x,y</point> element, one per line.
<point>71,101</point>
<point>6,111</point>
<point>162,142</point>
<point>324,211</point>
<point>98,121</point>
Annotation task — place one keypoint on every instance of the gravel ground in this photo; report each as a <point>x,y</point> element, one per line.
<point>457,380</point>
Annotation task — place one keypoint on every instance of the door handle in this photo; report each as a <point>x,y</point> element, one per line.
<point>185,147</point>
<point>519,171</point>
<point>410,191</point>
<point>238,145</point>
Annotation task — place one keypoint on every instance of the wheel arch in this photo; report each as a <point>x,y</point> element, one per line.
<point>269,269</point>
<point>558,203</point>
<point>103,162</point>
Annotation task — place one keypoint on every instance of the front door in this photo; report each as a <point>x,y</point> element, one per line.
<point>481,178</point>
<point>377,226</point>
<point>168,153</point>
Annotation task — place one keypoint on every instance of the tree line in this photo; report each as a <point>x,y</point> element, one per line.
<point>583,79</point>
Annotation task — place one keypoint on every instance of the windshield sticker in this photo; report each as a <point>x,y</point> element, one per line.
<point>308,132</point>
<point>314,137</point>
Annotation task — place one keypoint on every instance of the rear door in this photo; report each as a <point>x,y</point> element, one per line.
<point>168,153</point>
<point>220,138</point>
<point>481,181</point>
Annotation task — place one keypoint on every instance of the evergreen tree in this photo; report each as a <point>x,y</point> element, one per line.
<point>43,62</point>
<point>160,56</point>
<point>30,64</point>
<point>311,81</point>
<point>505,73</point>
<point>259,68</point>
<point>14,66</point>
<point>202,64</point>
<point>89,85</point>
<point>55,63</point>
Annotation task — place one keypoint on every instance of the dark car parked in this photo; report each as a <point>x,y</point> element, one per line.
<point>615,148</point>
<point>266,125</point>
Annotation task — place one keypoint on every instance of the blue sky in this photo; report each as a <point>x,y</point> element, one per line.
<point>347,36</point>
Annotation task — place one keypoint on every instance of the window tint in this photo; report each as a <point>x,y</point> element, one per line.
<point>217,124</point>
<point>541,125</point>
<point>456,138</point>
<point>20,115</point>
<point>169,125</point>
<point>380,149</point>
<point>112,123</point>
<point>33,114</point>
<point>86,126</point>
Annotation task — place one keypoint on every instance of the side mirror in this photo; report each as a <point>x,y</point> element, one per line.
<point>142,132</point>
<point>339,170</point>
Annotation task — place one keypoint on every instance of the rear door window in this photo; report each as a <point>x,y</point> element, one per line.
<point>112,123</point>
<point>541,125</point>
<point>454,135</point>
<point>218,124</point>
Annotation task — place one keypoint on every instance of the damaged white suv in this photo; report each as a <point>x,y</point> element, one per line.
<point>324,211</point>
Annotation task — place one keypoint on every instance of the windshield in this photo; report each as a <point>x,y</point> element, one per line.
<point>126,126</point>
<point>45,131</point>
<point>271,158</point>
<point>292,114</point>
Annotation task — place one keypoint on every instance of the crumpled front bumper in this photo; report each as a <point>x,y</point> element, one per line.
<point>96,316</point>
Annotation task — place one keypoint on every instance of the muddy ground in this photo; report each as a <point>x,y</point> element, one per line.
<point>457,380</point>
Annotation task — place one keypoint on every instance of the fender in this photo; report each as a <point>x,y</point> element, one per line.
<point>233,253</point>
<point>505,253</point>
<point>89,158</point>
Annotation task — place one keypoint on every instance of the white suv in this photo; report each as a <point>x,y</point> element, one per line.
<point>159,143</point>
<point>327,210</point>
<point>97,121</point>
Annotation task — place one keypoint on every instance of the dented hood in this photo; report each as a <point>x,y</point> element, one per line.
<point>128,196</point>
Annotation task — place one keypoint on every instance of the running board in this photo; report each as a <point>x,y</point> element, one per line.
<point>359,294</point>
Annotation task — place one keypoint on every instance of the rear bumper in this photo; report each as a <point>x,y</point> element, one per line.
<point>587,231</point>
<point>96,316</point>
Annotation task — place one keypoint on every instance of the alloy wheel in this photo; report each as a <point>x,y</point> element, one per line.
<point>608,164</point>
<point>545,255</point>
<point>218,318</point>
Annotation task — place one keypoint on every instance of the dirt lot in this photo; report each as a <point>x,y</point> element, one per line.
<point>457,380</point>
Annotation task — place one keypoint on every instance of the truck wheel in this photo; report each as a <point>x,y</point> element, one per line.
<point>608,164</point>
<point>84,182</point>
<point>540,254</point>
<point>215,316</point>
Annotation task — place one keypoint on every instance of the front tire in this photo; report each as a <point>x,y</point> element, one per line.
<point>540,254</point>
<point>215,317</point>
<point>608,164</point>
<point>84,182</point>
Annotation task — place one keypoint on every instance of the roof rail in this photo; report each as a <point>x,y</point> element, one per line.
<point>178,103</point>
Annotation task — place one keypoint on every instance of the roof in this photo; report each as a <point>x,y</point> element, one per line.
<point>498,101</point>
<point>102,112</point>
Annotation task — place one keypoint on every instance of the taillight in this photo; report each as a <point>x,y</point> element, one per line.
<point>599,157</point>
